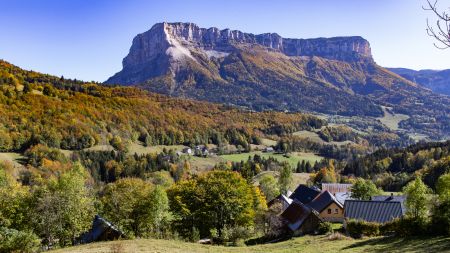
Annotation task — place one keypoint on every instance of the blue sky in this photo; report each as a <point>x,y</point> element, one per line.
<point>87,39</point>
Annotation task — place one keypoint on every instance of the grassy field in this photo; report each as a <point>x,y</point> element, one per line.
<point>140,149</point>
<point>293,159</point>
<point>310,244</point>
<point>13,158</point>
<point>313,136</point>
<point>199,164</point>
<point>392,120</point>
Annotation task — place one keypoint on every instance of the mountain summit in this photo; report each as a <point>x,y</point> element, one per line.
<point>266,71</point>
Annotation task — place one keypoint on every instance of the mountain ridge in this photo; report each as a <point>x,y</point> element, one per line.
<point>435,80</point>
<point>267,72</point>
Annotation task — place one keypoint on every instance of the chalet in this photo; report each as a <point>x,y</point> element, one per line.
<point>102,230</point>
<point>304,194</point>
<point>283,200</point>
<point>335,188</point>
<point>328,207</point>
<point>301,219</point>
<point>373,211</point>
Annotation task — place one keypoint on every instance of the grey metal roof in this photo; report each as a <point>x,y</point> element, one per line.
<point>373,211</point>
<point>304,194</point>
<point>399,198</point>
<point>323,200</point>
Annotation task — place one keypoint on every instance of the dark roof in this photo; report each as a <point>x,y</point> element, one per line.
<point>373,211</point>
<point>399,198</point>
<point>323,200</point>
<point>102,230</point>
<point>296,214</point>
<point>304,194</point>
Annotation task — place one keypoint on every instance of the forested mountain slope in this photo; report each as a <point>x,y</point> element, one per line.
<point>69,114</point>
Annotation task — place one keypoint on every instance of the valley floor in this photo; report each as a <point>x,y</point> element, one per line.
<point>300,244</point>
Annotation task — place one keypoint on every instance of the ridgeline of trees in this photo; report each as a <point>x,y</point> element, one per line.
<point>69,114</point>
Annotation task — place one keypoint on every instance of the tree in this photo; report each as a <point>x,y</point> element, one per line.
<point>285,178</point>
<point>125,203</point>
<point>417,199</point>
<point>64,207</point>
<point>364,189</point>
<point>214,201</point>
<point>154,212</point>
<point>269,186</point>
<point>441,30</point>
<point>443,187</point>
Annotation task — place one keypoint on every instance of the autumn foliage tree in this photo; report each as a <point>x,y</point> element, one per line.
<point>214,201</point>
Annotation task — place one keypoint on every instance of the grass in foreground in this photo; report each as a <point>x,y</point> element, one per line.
<point>301,244</point>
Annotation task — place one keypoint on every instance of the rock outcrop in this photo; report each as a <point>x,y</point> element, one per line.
<point>167,43</point>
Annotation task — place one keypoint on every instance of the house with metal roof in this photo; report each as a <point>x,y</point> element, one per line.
<point>301,219</point>
<point>304,194</point>
<point>328,207</point>
<point>372,211</point>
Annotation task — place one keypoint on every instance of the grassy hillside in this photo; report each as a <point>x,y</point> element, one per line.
<point>309,244</point>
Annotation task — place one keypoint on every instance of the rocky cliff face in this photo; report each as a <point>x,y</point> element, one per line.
<point>170,43</point>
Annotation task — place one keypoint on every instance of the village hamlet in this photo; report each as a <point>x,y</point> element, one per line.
<point>307,209</point>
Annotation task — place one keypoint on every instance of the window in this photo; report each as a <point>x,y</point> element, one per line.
<point>329,210</point>
<point>336,211</point>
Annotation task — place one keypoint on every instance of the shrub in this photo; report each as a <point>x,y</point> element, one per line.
<point>325,228</point>
<point>12,240</point>
<point>357,229</point>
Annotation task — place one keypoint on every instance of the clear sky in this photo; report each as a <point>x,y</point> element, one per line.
<point>87,39</point>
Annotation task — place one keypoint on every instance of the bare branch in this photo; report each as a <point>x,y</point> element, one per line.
<point>441,31</point>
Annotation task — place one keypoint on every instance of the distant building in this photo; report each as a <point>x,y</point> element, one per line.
<point>101,230</point>
<point>335,188</point>
<point>268,149</point>
<point>301,219</point>
<point>187,151</point>
<point>373,211</point>
<point>328,207</point>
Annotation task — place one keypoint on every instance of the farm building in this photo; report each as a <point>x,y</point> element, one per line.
<point>102,230</point>
<point>372,211</point>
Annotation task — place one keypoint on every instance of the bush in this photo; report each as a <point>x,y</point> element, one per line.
<point>357,229</point>
<point>407,226</point>
<point>12,240</point>
<point>325,228</point>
